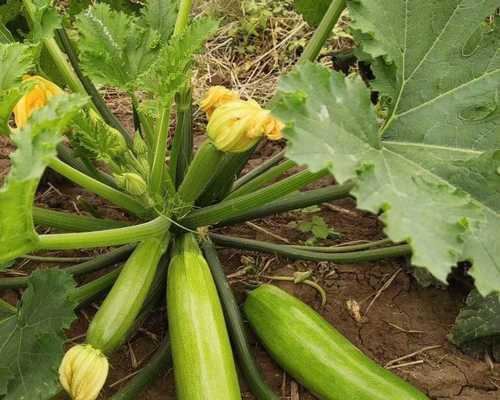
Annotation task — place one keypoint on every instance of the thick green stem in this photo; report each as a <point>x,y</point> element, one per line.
<point>115,196</point>
<point>263,179</point>
<point>323,31</point>
<point>182,146</point>
<point>161,361</point>
<point>254,173</point>
<point>345,249</point>
<point>200,172</point>
<point>160,151</point>
<point>71,222</point>
<point>98,262</point>
<point>236,328</point>
<point>6,308</point>
<point>89,87</point>
<point>182,16</point>
<point>111,237</point>
<point>339,258</point>
<point>89,291</point>
<point>293,201</point>
<point>234,207</point>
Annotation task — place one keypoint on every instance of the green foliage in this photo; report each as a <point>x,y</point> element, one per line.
<point>164,78</point>
<point>114,48</point>
<point>10,10</point>
<point>433,166</point>
<point>31,341</point>
<point>318,227</point>
<point>312,10</point>
<point>126,6</point>
<point>45,19</point>
<point>36,145</point>
<point>15,60</point>
<point>160,15</point>
<point>478,324</point>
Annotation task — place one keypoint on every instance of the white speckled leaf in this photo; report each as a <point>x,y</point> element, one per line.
<point>433,167</point>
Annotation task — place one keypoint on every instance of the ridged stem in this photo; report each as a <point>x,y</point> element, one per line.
<point>292,202</point>
<point>182,145</point>
<point>200,172</point>
<point>261,180</point>
<point>98,262</point>
<point>323,31</point>
<point>7,307</point>
<point>259,170</point>
<point>236,328</point>
<point>345,249</point>
<point>110,237</point>
<point>234,207</point>
<point>83,294</point>
<point>182,16</point>
<point>160,150</point>
<point>93,185</point>
<point>71,222</point>
<point>339,258</point>
<point>161,361</point>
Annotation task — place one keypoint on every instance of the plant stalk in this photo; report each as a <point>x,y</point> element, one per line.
<point>345,249</point>
<point>254,173</point>
<point>323,31</point>
<point>292,202</point>
<point>261,180</point>
<point>182,16</point>
<point>115,196</point>
<point>83,294</point>
<point>235,207</point>
<point>338,258</point>
<point>160,150</point>
<point>110,237</point>
<point>71,222</point>
<point>182,145</point>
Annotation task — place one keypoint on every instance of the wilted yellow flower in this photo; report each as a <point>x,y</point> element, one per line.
<point>216,97</point>
<point>83,372</point>
<point>35,98</point>
<point>237,125</point>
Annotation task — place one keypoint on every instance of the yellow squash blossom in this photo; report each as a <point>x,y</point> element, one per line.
<point>216,97</point>
<point>238,125</point>
<point>36,98</point>
<point>83,372</point>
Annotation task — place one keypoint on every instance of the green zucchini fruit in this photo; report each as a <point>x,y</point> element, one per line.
<point>117,313</point>
<point>315,354</point>
<point>203,361</point>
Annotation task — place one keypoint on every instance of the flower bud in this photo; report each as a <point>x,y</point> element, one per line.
<point>216,97</point>
<point>83,372</point>
<point>139,145</point>
<point>36,98</point>
<point>237,125</point>
<point>132,183</point>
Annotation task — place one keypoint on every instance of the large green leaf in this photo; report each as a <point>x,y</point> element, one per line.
<point>478,324</point>
<point>169,73</point>
<point>114,48</point>
<point>15,60</point>
<point>160,15</point>
<point>36,145</point>
<point>31,341</point>
<point>44,19</point>
<point>433,168</point>
<point>312,10</point>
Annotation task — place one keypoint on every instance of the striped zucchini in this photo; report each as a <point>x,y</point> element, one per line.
<point>203,361</point>
<point>315,354</point>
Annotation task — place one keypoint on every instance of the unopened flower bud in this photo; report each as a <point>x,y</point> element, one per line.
<point>132,183</point>
<point>139,145</point>
<point>83,371</point>
<point>216,97</point>
<point>236,126</point>
<point>36,98</point>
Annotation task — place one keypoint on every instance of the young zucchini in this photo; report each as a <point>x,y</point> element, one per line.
<point>203,361</point>
<point>84,368</point>
<point>315,354</point>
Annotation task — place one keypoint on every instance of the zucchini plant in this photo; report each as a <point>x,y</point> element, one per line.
<point>426,158</point>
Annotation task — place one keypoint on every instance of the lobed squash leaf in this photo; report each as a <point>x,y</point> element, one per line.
<point>36,145</point>
<point>31,341</point>
<point>160,16</point>
<point>431,167</point>
<point>15,60</point>
<point>45,20</point>
<point>478,325</point>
